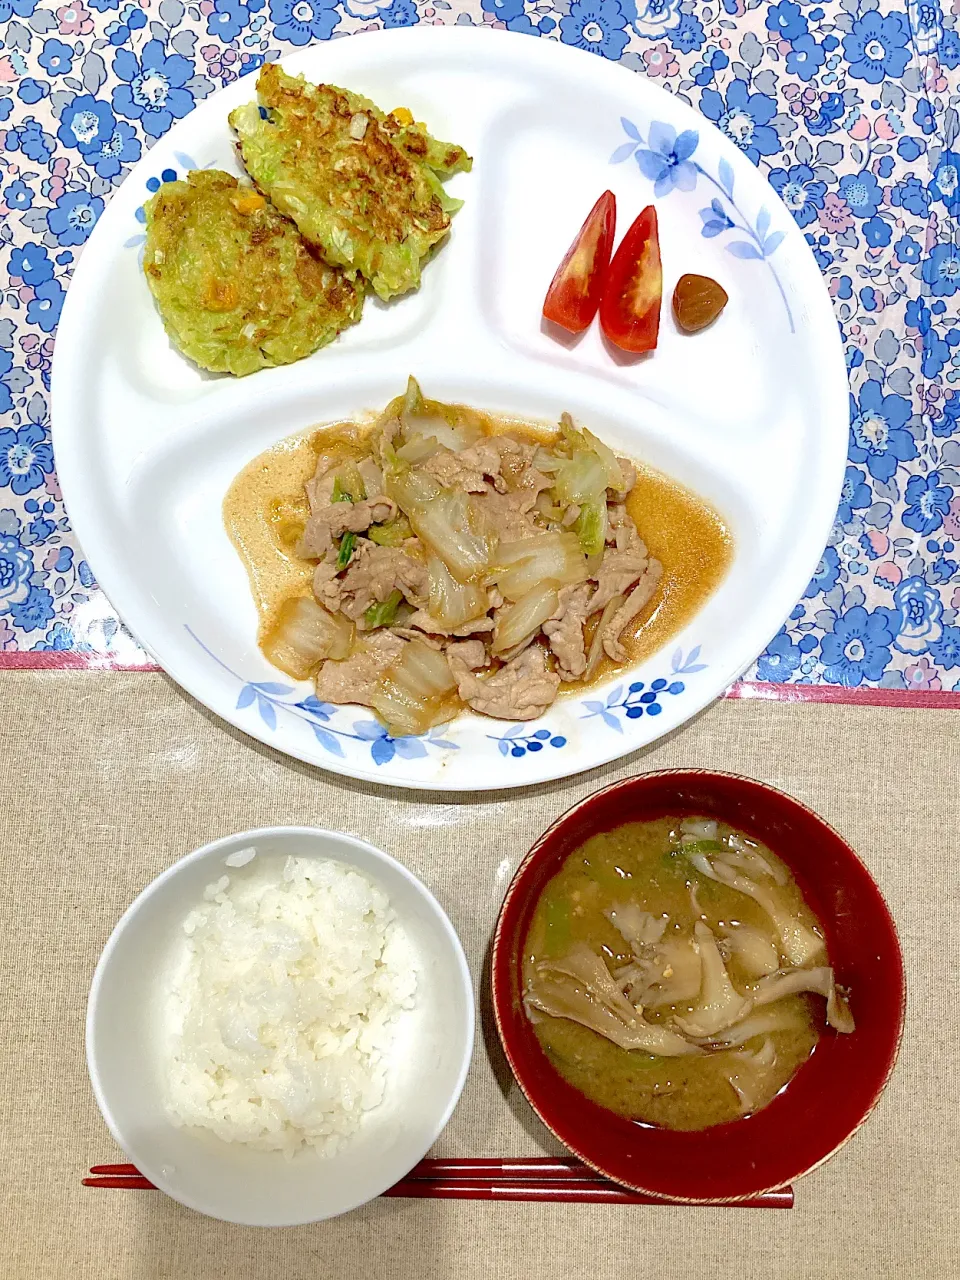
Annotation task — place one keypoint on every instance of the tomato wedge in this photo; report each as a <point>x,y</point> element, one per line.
<point>575,291</point>
<point>630,307</point>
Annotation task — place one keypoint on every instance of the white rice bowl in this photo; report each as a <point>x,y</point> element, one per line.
<point>136,1024</point>
<point>285,1005</point>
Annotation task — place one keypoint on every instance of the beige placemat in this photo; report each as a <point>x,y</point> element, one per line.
<point>108,778</point>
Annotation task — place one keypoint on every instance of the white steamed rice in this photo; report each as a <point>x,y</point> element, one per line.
<point>286,1005</point>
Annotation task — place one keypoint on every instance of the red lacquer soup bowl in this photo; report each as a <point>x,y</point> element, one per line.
<point>831,1095</point>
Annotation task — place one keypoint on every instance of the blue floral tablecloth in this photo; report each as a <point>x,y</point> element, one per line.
<point>850,108</point>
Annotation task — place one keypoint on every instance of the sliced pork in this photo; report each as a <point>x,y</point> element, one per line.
<point>521,690</point>
<point>499,554</point>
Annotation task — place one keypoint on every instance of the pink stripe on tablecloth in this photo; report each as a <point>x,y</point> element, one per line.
<point>864,697</point>
<point>943,699</point>
<point>70,660</point>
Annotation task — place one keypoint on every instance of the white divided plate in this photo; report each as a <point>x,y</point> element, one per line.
<point>752,413</point>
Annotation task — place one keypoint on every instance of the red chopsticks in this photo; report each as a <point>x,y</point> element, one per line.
<point>555,1180</point>
<point>122,1177</point>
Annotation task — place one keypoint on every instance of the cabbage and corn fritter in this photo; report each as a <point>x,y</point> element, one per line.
<point>237,287</point>
<point>246,277</point>
<point>363,187</point>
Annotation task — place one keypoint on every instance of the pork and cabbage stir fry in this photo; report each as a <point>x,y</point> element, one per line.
<point>690,948</point>
<point>457,568</point>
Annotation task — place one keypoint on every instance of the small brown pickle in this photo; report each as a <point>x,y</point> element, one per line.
<point>697,301</point>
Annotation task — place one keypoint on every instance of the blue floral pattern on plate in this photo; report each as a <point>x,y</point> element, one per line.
<point>270,697</point>
<point>519,739</point>
<point>637,699</point>
<point>666,158</point>
<point>847,106</point>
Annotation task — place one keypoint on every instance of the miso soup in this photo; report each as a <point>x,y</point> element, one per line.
<point>674,974</point>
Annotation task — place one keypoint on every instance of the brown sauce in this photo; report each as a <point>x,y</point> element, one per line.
<point>266,508</point>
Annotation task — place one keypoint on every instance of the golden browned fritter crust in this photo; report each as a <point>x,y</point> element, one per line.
<point>362,186</point>
<point>236,285</point>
